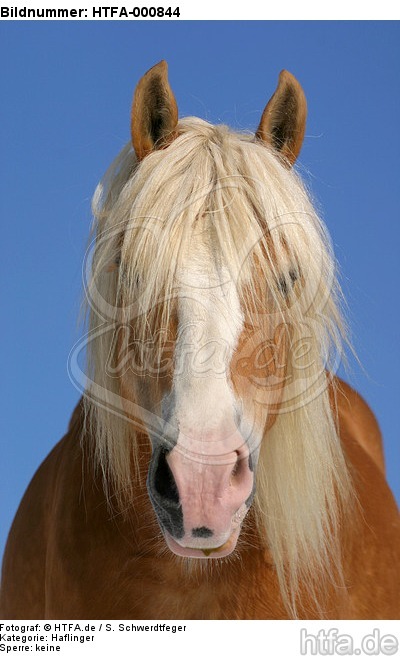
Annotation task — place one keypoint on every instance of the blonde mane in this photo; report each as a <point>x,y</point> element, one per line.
<point>257,215</point>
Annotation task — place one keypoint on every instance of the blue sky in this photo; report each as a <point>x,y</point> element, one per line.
<point>66,95</point>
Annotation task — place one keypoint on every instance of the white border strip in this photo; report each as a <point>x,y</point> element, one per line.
<point>180,638</point>
<point>181,10</point>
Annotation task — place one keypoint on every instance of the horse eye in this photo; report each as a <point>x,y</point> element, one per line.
<point>285,280</point>
<point>114,265</point>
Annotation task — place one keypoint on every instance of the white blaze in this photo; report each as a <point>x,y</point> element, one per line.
<point>210,321</point>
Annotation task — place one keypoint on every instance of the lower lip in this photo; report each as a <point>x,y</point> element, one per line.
<point>217,552</point>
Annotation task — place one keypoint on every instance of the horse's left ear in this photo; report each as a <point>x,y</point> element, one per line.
<point>283,122</point>
<point>154,112</point>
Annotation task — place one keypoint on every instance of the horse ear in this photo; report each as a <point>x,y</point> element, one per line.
<point>283,122</point>
<point>154,112</point>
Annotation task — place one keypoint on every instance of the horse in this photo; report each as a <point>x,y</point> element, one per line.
<point>215,466</point>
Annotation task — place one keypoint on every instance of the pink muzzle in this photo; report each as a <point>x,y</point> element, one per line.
<point>201,491</point>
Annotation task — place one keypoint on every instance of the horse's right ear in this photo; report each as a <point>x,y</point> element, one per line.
<point>283,122</point>
<point>154,112</point>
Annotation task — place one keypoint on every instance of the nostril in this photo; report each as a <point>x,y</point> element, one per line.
<point>240,467</point>
<point>236,466</point>
<point>164,482</point>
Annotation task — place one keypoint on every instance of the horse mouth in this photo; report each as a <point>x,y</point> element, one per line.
<point>203,552</point>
